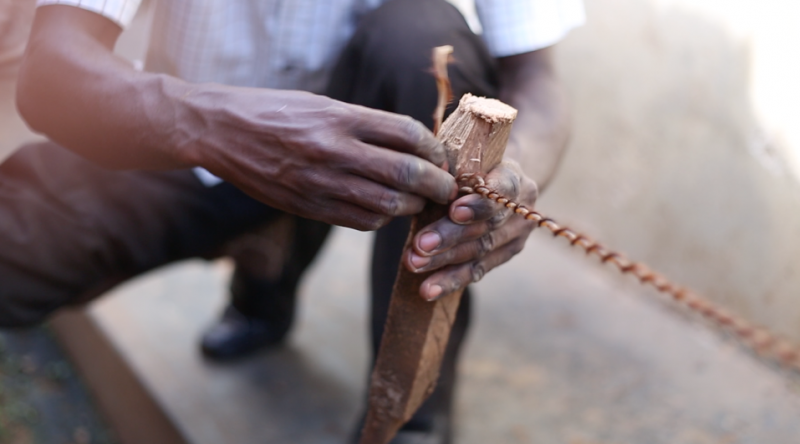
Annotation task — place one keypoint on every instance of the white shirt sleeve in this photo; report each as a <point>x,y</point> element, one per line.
<point>120,12</point>
<point>513,27</point>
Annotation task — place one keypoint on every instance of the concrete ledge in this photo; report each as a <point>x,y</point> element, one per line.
<point>561,352</point>
<point>132,412</point>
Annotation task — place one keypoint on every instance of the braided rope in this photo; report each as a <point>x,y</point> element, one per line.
<point>763,342</point>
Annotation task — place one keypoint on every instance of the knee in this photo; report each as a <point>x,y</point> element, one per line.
<point>22,304</point>
<point>16,314</point>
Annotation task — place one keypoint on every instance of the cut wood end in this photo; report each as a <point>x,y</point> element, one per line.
<point>442,52</point>
<point>490,110</point>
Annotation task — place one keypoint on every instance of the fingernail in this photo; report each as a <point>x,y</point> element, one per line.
<point>419,261</point>
<point>463,214</point>
<point>434,292</point>
<point>429,241</point>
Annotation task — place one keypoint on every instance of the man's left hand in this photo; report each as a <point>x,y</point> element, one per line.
<point>478,235</point>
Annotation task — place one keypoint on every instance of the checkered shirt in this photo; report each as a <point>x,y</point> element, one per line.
<point>292,44</point>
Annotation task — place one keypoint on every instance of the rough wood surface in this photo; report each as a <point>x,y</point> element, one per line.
<point>417,331</point>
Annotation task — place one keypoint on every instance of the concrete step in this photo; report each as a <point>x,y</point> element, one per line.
<point>562,351</point>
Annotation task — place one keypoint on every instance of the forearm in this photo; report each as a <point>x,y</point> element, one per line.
<point>96,104</point>
<point>540,133</point>
<point>298,152</point>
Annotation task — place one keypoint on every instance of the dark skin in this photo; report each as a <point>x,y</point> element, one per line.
<point>480,234</point>
<point>299,152</point>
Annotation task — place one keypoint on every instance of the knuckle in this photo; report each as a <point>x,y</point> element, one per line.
<point>311,183</point>
<point>390,203</point>
<point>477,270</point>
<point>339,112</point>
<point>498,218</point>
<point>512,185</point>
<point>486,244</point>
<point>315,180</point>
<point>455,283</point>
<point>516,185</point>
<point>509,181</point>
<point>483,208</point>
<point>413,129</point>
<point>408,172</point>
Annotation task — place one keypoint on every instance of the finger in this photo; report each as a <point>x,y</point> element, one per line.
<point>345,214</point>
<point>403,172</point>
<point>467,251</point>
<point>316,199</point>
<point>475,208</point>
<point>504,180</point>
<point>377,198</point>
<point>456,277</point>
<point>444,234</point>
<point>399,133</point>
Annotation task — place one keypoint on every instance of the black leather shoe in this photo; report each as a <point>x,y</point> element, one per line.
<point>237,335</point>
<point>436,429</point>
<point>261,311</point>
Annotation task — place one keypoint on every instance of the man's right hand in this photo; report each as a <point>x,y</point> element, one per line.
<point>317,157</point>
<point>299,152</point>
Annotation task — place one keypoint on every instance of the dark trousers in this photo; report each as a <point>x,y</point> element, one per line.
<point>387,66</point>
<point>70,230</point>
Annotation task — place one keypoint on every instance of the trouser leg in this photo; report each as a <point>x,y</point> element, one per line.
<point>387,66</point>
<point>270,262</point>
<point>70,230</point>
<point>263,290</point>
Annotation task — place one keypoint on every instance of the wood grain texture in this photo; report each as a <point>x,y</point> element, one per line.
<point>417,331</point>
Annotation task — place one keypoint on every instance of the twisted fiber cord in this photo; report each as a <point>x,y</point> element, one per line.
<point>763,342</point>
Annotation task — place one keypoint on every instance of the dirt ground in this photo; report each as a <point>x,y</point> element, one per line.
<point>42,399</point>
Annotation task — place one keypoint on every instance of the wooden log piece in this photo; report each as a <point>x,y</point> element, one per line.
<point>417,331</point>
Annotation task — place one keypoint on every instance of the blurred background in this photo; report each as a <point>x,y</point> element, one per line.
<point>685,154</point>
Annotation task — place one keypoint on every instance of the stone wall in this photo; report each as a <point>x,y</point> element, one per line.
<point>683,148</point>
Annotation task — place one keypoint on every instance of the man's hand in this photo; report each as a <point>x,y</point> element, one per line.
<point>322,159</point>
<point>299,152</point>
<point>478,235</point>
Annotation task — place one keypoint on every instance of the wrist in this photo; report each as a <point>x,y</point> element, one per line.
<point>214,122</point>
<point>184,122</point>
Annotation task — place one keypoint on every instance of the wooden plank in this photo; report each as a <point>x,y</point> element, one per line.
<point>417,331</point>
<point>132,412</point>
